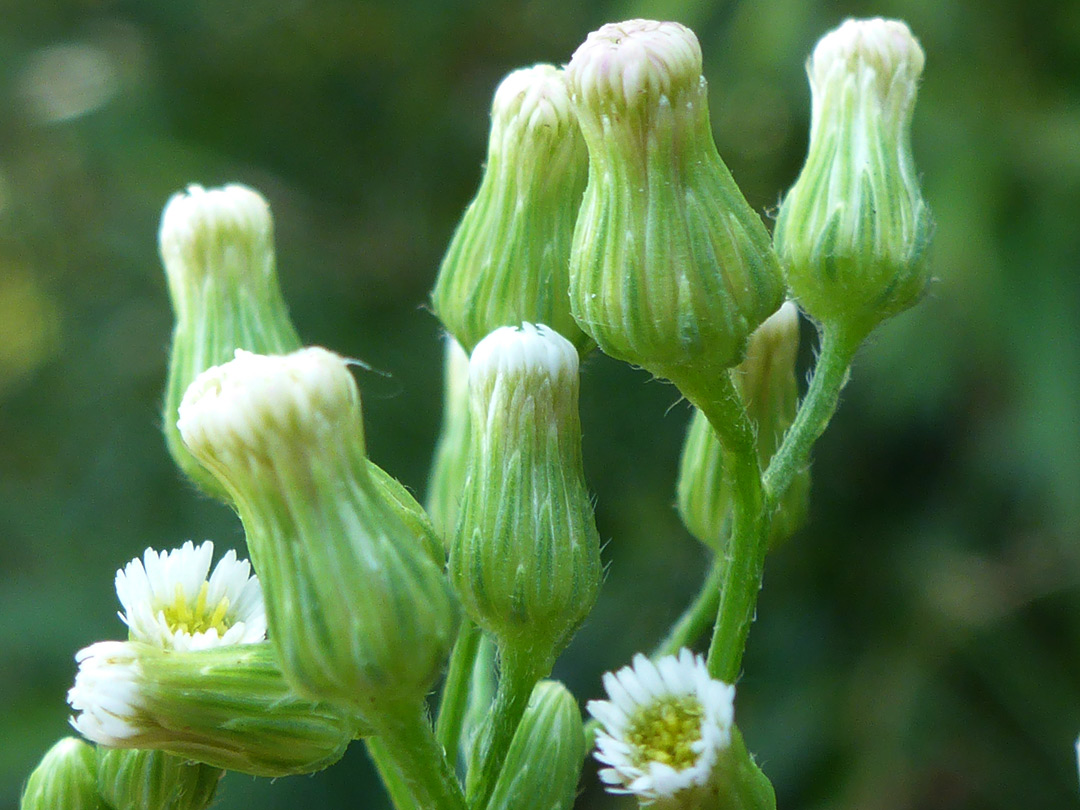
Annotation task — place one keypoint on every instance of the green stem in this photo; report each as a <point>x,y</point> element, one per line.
<point>740,579</point>
<point>519,670</point>
<point>698,616</point>
<point>409,746</point>
<point>455,693</point>
<point>391,778</point>
<point>838,348</point>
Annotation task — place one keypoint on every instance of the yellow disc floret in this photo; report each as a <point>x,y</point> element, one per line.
<point>200,617</point>
<point>665,731</point>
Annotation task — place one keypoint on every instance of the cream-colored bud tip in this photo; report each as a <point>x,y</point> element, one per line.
<point>534,97</point>
<point>525,349</point>
<point>249,400</point>
<point>634,62</point>
<point>197,213</point>
<point>885,46</point>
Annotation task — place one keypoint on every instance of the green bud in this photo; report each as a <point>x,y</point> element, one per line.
<point>507,261</point>
<point>356,602</point>
<point>767,386</point>
<point>229,707</point>
<point>671,269</point>
<point>525,557</point>
<point>153,780</point>
<point>543,764</point>
<point>853,230</point>
<point>218,249</point>
<point>447,476</point>
<point>65,779</point>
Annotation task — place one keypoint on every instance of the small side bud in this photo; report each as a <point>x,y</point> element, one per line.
<point>65,778</point>
<point>525,557</point>
<point>507,261</point>
<point>447,477</point>
<point>853,230</point>
<point>766,383</point>
<point>154,780</point>
<point>356,599</point>
<point>228,707</point>
<point>671,269</point>
<point>543,763</point>
<point>217,246</point>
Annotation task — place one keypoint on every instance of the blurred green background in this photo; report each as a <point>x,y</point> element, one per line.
<point>917,645</point>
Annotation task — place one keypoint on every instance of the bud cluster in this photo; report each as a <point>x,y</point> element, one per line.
<point>605,218</point>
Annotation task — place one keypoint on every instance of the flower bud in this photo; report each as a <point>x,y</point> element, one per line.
<point>228,707</point>
<point>766,384</point>
<point>508,259</point>
<point>356,601</point>
<point>218,249</point>
<point>671,269</point>
<point>447,476</point>
<point>153,780</point>
<point>525,557</point>
<point>65,778</point>
<point>543,763</point>
<point>853,230</point>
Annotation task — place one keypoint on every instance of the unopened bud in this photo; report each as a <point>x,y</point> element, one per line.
<point>229,707</point>
<point>767,386</point>
<point>544,761</point>
<point>508,260</point>
<point>671,269</point>
<point>217,246</point>
<point>525,558</point>
<point>65,778</point>
<point>356,600</point>
<point>853,230</point>
<point>447,478</point>
<point>153,780</point>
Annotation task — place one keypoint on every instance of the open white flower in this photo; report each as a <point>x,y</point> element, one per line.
<point>663,728</point>
<point>170,602</point>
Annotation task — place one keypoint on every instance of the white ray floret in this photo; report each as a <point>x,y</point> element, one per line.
<point>664,727</point>
<point>107,693</point>
<point>172,600</point>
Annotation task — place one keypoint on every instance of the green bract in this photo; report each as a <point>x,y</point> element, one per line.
<point>853,230</point>
<point>671,268</point>
<point>507,262</point>
<point>356,601</point>
<point>218,249</point>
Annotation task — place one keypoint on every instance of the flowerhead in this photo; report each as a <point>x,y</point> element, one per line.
<point>172,600</point>
<point>664,726</point>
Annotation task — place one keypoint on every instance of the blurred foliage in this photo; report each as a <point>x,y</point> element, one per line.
<point>918,645</point>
